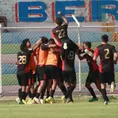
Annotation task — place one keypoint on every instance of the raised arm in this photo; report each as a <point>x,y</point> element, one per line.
<point>64,18</point>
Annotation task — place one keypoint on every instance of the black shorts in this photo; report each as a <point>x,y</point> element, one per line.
<point>69,76</point>
<point>107,77</point>
<point>31,79</point>
<point>51,72</point>
<point>60,75</point>
<point>41,73</point>
<point>92,76</point>
<point>37,75</point>
<point>22,79</point>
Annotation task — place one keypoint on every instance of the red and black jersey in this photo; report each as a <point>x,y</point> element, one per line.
<point>68,56</point>
<point>22,61</point>
<point>91,63</point>
<point>106,53</point>
<point>60,33</point>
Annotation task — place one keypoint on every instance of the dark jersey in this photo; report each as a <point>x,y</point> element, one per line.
<point>60,33</point>
<point>22,61</point>
<point>106,53</point>
<point>68,56</point>
<point>91,63</point>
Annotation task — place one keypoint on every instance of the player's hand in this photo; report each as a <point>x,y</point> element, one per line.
<point>59,12</point>
<point>39,41</point>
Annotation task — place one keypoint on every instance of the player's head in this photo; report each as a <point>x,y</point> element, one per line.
<point>59,21</point>
<point>105,38</point>
<point>87,45</point>
<point>51,41</point>
<point>21,47</point>
<point>26,43</point>
<point>44,39</point>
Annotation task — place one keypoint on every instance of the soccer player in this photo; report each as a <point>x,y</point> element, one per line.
<point>93,75</point>
<point>31,69</point>
<point>69,75</point>
<point>59,33</point>
<point>23,58</point>
<point>60,77</point>
<point>52,69</point>
<point>43,54</point>
<point>108,55</point>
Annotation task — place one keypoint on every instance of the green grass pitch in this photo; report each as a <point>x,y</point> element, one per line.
<point>79,109</point>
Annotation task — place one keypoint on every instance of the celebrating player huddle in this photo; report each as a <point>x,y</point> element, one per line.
<point>52,62</point>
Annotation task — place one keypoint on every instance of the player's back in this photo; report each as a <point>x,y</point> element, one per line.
<point>60,32</point>
<point>52,58</point>
<point>22,61</point>
<point>106,52</point>
<point>42,56</point>
<point>68,56</point>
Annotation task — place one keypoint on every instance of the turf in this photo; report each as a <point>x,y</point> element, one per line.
<point>79,109</point>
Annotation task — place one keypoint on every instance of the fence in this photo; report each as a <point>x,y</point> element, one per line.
<point>10,41</point>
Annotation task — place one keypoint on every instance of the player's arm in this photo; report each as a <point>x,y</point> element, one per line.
<point>55,50</point>
<point>115,58</point>
<point>96,53</point>
<point>115,55</point>
<point>64,18</point>
<point>36,45</point>
<point>48,46</point>
<point>56,39</point>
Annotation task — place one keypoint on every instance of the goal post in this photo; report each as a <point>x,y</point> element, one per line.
<point>1,60</point>
<point>79,69</point>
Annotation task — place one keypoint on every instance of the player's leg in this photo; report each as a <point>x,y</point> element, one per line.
<point>19,90</point>
<point>73,85</point>
<point>97,83</point>
<point>103,80</point>
<point>61,82</point>
<point>53,75</point>
<point>24,84</point>
<point>112,82</point>
<point>90,79</point>
<point>42,76</point>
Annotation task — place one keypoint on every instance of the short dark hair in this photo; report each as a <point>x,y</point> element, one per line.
<point>105,38</point>
<point>88,44</point>
<point>59,21</point>
<point>44,39</point>
<point>51,41</point>
<point>24,42</point>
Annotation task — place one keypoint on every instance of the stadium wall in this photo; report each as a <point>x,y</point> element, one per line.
<point>22,12</point>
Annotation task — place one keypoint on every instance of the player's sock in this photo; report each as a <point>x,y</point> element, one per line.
<point>52,93</point>
<point>25,95</point>
<point>92,92</point>
<point>104,95</point>
<point>69,91</point>
<point>63,89</point>
<point>30,94</point>
<point>22,95</point>
<point>19,93</point>
<point>70,96</point>
<point>37,95</point>
<point>35,90</point>
<point>43,93</point>
<point>47,94</point>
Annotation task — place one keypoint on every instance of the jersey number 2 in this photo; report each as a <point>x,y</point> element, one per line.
<point>106,53</point>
